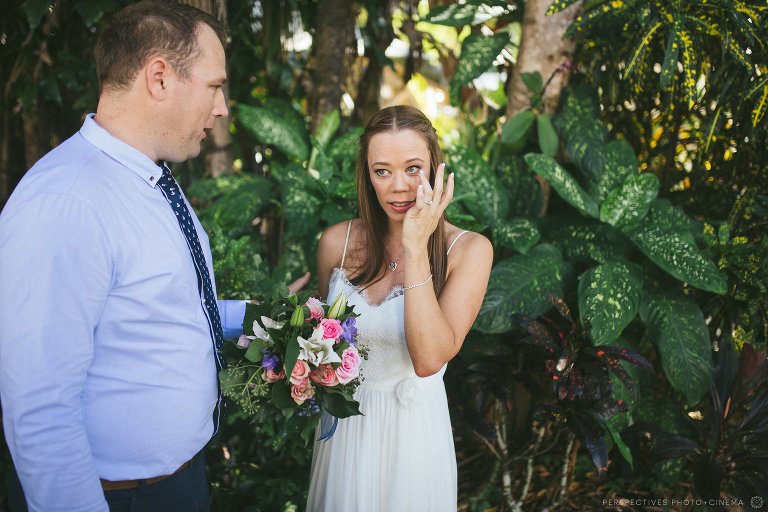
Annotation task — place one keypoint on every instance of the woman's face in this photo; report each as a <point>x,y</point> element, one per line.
<point>394,162</point>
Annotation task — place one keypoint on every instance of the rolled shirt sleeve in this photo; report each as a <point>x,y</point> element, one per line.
<point>232,314</point>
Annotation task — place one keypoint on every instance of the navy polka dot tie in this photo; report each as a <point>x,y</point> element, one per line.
<point>172,194</point>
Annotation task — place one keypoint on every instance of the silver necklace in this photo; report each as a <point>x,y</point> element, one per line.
<point>392,265</point>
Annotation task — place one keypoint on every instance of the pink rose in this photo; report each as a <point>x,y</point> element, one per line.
<point>302,391</point>
<point>331,329</point>
<point>324,375</point>
<point>270,376</point>
<point>300,371</point>
<point>350,365</point>
<point>315,308</point>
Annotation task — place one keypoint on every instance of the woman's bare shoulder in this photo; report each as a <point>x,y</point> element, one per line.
<point>333,237</point>
<point>467,243</point>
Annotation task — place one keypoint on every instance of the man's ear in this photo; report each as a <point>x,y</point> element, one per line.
<point>156,74</point>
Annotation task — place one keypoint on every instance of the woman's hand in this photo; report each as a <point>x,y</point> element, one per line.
<point>421,220</point>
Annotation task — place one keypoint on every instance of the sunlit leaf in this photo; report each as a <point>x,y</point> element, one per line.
<point>477,55</point>
<point>275,130</point>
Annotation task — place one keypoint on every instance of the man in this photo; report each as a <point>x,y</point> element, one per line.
<point>108,320</point>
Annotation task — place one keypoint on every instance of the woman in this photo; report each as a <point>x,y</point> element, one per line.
<point>418,283</point>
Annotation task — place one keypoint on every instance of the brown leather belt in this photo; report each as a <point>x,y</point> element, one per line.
<point>122,485</point>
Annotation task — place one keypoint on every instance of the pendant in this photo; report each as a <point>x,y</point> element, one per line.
<point>392,265</point>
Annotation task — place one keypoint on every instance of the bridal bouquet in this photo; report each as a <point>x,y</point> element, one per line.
<point>297,361</point>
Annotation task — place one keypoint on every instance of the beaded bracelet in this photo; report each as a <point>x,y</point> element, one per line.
<point>417,285</point>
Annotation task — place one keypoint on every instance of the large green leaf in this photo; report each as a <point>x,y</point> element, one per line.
<point>327,127</point>
<point>466,13</point>
<point>609,296</point>
<point>477,55</point>
<point>565,185</point>
<point>519,286</point>
<point>617,160</point>
<point>671,54</point>
<point>517,234</point>
<point>677,324</point>
<point>346,146</point>
<point>586,241</point>
<point>628,204</point>
<point>520,186</point>
<point>275,130</point>
<point>485,198</point>
<point>673,249</point>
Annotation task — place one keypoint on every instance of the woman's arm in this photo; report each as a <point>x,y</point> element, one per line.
<point>435,329</point>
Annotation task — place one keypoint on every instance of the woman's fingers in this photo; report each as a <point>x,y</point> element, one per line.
<point>439,183</point>
<point>448,195</point>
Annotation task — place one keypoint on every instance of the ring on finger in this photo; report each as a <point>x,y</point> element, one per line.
<point>428,202</point>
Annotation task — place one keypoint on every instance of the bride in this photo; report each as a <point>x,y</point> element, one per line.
<point>418,283</point>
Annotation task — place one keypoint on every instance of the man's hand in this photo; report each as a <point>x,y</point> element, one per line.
<point>300,283</point>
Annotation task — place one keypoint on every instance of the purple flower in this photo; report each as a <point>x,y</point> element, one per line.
<point>269,360</point>
<point>349,330</point>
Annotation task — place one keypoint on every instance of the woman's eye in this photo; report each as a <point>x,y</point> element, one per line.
<point>414,169</point>
<point>380,172</point>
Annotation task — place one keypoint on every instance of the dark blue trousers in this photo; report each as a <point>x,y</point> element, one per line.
<point>186,491</point>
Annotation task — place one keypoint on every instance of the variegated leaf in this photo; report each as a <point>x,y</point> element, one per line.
<point>609,297</point>
<point>477,55</point>
<point>519,286</point>
<point>678,327</point>
<point>595,15</point>
<point>617,161</point>
<point>669,66</point>
<point>565,185</point>
<point>517,234</point>
<point>559,5</point>
<point>628,204</point>
<point>760,107</point>
<point>641,47</point>
<point>591,241</point>
<point>466,13</point>
<point>346,147</point>
<point>675,253</point>
<point>690,69</point>
<point>487,200</point>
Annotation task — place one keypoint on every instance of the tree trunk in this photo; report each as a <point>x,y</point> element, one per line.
<point>217,151</point>
<point>335,31</point>
<point>369,91</point>
<point>542,49</point>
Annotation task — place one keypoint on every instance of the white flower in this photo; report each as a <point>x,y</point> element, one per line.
<point>406,393</point>
<point>316,350</point>
<point>260,332</point>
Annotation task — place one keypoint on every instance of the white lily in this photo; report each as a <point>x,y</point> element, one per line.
<point>260,332</point>
<point>316,350</point>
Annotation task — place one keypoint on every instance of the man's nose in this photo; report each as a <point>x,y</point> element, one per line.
<point>220,105</point>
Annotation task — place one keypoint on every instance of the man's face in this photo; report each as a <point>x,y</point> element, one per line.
<point>197,100</point>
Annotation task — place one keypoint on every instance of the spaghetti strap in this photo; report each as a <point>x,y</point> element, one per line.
<point>454,242</point>
<point>346,241</point>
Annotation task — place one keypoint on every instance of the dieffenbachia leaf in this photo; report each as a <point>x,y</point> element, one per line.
<point>613,163</point>
<point>519,286</point>
<point>477,55</point>
<point>466,13</point>
<point>587,241</point>
<point>517,234</point>
<point>678,327</point>
<point>486,199</point>
<point>628,204</point>
<point>565,185</point>
<point>609,297</point>
<point>275,130</point>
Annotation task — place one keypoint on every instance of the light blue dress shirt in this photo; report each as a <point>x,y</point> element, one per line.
<point>106,361</point>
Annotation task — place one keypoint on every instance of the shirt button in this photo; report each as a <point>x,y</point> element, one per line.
<point>151,178</point>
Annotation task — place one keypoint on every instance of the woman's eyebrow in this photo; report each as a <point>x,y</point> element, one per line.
<point>415,159</point>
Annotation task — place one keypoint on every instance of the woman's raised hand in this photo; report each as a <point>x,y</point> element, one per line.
<point>421,220</point>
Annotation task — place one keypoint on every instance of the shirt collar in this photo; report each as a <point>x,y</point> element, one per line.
<point>121,152</point>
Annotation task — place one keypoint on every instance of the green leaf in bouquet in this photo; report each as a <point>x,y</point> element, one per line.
<point>337,405</point>
<point>280,131</point>
<point>291,355</point>
<point>281,396</point>
<point>253,353</point>
<point>625,206</point>
<point>548,141</point>
<point>565,185</point>
<point>681,334</point>
<point>517,234</point>
<point>519,286</point>
<point>609,297</point>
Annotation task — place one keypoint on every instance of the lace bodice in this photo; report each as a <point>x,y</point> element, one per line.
<point>381,330</point>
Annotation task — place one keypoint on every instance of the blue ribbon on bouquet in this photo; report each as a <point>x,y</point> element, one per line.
<point>328,424</point>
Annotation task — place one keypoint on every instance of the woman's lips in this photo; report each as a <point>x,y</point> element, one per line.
<point>401,206</point>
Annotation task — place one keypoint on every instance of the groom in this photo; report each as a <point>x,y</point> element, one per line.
<point>109,325</point>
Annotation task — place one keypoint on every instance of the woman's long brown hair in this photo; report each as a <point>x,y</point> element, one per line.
<point>374,219</point>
